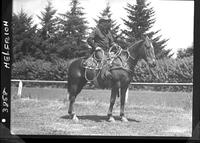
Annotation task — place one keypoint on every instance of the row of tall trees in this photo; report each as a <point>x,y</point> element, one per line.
<point>64,36</point>
<point>59,36</point>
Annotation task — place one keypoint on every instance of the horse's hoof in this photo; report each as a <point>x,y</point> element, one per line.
<point>124,119</point>
<point>74,117</point>
<point>111,119</point>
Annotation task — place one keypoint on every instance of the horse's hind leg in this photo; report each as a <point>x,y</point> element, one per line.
<point>72,97</point>
<point>114,93</point>
<point>74,89</point>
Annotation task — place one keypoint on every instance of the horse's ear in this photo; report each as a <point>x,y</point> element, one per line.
<point>143,37</point>
<point>147,38</point>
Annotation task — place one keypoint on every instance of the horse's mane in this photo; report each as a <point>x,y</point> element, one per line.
<point>135,44</point>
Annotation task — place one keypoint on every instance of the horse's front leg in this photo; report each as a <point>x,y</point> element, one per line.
<point>114,93</point>
<point>122,104</point>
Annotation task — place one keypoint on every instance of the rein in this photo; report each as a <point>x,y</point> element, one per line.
<point>133,45</point>
<point>129,55</point>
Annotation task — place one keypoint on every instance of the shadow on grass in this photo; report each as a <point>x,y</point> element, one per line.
<point>97,118</point>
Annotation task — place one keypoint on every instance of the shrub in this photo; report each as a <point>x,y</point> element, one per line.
<point>40,70</point>
<point>167,71</point>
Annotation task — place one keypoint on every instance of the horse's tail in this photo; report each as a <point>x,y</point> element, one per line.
<point>71,61</point>
<point>68,74</point>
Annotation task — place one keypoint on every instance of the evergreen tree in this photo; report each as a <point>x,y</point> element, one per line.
<point>47,38</point>
<point>48,21</point>
<point>23,36</point>
<point>73,32</point>
<point>139,23</point>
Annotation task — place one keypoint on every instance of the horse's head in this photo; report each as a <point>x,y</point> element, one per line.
<point>143,49</point>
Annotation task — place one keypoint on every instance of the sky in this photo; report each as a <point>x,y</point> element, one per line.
<point>174,18</point>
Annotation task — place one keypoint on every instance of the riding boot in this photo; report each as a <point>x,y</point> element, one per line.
<point>108,74</point>
<point>105,72</point>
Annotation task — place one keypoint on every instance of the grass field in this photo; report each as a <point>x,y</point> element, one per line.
<point>43,111</point>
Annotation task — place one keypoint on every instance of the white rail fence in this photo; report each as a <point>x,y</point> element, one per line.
<point>20,85</point>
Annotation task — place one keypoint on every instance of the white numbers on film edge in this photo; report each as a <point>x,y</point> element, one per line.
<point>5,101</point>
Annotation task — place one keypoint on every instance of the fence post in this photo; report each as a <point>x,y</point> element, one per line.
<point>19,92</point>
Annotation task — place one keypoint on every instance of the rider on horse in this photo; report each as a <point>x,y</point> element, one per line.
<point>102,39</point>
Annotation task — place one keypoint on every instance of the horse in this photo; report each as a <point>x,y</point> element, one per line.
<point>121,78</point>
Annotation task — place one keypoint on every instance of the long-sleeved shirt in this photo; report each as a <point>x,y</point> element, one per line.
<point>101,39</point>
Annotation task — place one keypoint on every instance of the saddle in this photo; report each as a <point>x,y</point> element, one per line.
<point>94,62</point>
<point>115,58</point>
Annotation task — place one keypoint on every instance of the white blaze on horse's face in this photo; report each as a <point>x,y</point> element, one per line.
<point>149,52</point>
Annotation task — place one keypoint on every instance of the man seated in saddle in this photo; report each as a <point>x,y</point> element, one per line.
<point>101,39</point>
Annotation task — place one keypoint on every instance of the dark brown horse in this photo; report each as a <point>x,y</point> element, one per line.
<point>119,82</point>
